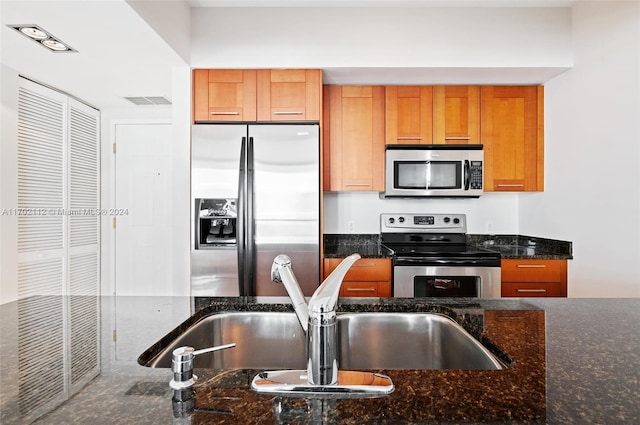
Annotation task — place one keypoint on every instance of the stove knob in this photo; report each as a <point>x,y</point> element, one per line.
<point>392,220</point>
<point>447,219</point>
<point>401,219</point>
<point>456,220</point>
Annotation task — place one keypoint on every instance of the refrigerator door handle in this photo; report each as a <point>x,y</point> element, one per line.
<point>242,224</point>
<point>250,223</point>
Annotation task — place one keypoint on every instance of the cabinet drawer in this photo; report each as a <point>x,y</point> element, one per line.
<point>365,269</point>
<point>526,290</point>
<point>534,270</point>
<point>366,289</point>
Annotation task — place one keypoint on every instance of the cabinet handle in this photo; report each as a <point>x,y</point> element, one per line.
<point>531,266</point>
<point>531,290</point>
<point>361,289</point>
<point>409,138</point>
<point>510,185</point>
<point>358,184</point>
<point>224,113</point>
<point>364,265</point>
<point>287,113</point>
<point>457,138</point>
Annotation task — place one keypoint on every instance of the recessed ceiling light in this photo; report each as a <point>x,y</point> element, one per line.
<point>54,45</point>
<point>34,32</point>
<point>42,37</point>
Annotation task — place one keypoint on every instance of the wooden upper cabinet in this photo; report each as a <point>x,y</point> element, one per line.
<point>353,138</point>
<point>512,123</point>
<point>224,95</point>
<point>409,114</point>
<point>221,95</point>
<point>289,94</point>
<point>456,114</point>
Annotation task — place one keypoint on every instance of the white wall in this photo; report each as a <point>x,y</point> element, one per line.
<point>491,213</point>
<point>592,144</point>
<point>9,81</point>
<point>177,200</point>
<point>380,37</point>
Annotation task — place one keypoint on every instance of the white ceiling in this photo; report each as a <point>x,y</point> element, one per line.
<point>381,3</point>
<point>120,54</point>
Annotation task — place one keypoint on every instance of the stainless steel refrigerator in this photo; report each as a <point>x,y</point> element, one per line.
<point>255,194</point>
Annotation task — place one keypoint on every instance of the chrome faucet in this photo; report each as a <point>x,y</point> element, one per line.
<point>318,318</point>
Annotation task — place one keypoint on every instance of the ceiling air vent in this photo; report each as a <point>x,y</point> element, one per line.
<point>148,100</point>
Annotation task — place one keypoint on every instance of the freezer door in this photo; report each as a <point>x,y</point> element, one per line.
<point>215,160</point>
<point>286,203</point>
<point>215,174</point>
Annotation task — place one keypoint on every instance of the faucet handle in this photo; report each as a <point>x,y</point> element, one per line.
<point>182,364</point>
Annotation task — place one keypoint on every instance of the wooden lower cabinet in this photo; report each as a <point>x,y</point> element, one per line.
<point>368,277</point>
<point>534,278</point>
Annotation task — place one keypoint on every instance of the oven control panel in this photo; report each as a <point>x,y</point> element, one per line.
<point>416,222</point>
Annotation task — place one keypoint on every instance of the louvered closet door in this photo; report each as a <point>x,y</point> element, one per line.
<point>83,241</point>
<point>58,247</point>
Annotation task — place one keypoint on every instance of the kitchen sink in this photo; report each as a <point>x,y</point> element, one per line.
<point>271,340</point>
<point>408,341</point>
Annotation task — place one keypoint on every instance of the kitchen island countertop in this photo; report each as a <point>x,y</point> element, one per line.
<point>591,369</point>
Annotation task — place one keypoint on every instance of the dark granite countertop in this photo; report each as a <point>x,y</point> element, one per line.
<point>521,247</point>
<point>573,361</point>
<point>509,246</point>
<point>367,245</point>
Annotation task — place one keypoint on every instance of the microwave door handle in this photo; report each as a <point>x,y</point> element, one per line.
<point>428,176</point>
<point>467,174</point>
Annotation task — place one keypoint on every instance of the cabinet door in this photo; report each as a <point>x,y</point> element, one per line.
<point>456,115</point>
<point>224,95</point>
<point>289,94</point>
<point>408,114</point>
<point>513,137</point>
<point>366,289</point>
<point>534,278</point>
<point>353,139</point>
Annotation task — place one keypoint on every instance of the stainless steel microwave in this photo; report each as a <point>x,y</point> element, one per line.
<point>450,171</point>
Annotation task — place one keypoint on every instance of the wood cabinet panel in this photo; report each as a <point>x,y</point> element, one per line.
<point>353,138</point>
<point>222,95</point>
<point>456,115</point>
<point>527,290</point>
<point>368,277</point>
<point>365,289</point>
<point>365,269</point>
<point>409,114</point>
<point>512,123</point>
<point>534,278</point>
<point>289,94</point>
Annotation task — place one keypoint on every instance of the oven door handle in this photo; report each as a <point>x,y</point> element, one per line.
<point>459,262</point>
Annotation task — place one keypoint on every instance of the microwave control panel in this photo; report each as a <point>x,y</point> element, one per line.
<point>475,175</point>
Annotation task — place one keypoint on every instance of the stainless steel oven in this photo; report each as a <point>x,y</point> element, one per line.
<point>432,258</point>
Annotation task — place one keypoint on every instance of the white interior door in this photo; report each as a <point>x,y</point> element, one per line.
<point>143,202</point>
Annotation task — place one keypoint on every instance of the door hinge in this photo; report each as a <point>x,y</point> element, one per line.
<point>113,222</point>
<point>113,148</point>
<point>115,336</point>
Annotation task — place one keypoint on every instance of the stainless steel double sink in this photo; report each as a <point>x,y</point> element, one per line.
<point>275,340</point>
